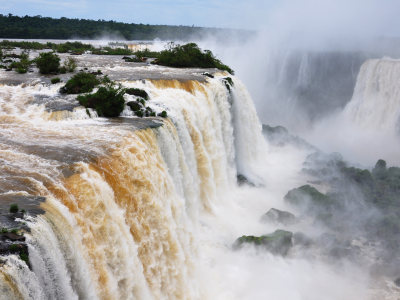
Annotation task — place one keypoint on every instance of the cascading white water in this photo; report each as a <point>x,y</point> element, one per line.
<point>126,225</point>
<point>376,100</point>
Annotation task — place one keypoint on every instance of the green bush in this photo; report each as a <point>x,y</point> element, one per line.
<point>164,114</point>
<point>81,83</point>
<point>48,63</point>
<point>14,208</point>
<point>55,80</point>
<point>108,101</point>
<point>139,113</point>
<point>4,230</point>
<point>15,230</point>
<point>13,247</point>
<point>24,257</point>
<point>190,56</point>
<point>152,114</point>
<point>63,70</point>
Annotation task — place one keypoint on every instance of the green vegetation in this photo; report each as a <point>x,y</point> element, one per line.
<point>14,208</point>
<point>163,114</point>
<point>190,56</point>
<point>4,230</point>
<point>309,198</point>
<point>13,247</point>
<point>15,230</point>
<point>55,80</point>
<point>48,63</point>
<point>108,101</point>
<point>380,188</point>
<point>22,65</point>
<point>81,83</point>
<point>70,64</point>
<point>24,257</point>
<point>278,242</point>
<point>39,27</point>
<point>111,51</point>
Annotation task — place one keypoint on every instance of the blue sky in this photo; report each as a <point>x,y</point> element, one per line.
<point>357,17</point>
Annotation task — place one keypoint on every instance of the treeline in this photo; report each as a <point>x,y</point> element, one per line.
<point>38,27</point>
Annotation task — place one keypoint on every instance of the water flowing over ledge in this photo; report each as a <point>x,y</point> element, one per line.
<point>122,200</point>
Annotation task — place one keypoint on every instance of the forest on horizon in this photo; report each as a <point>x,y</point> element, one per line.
<point>38,27</point>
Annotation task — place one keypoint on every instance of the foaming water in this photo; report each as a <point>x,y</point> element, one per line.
<point>153,213</point>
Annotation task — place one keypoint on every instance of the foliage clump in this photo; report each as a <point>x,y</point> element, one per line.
<point>14,208</point>
<point>108,101</point>
<point>55,80</point>
<point>190,56</point>
<point>48,63</point>
<point>81,83</point>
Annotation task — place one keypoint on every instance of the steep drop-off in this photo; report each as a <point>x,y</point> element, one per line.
<point>122,202</point>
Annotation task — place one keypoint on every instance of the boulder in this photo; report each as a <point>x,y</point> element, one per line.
<point>127,57</point>
<point>278,216</point>
<point>324,219</point>
<point>13,237</point>
<point>278,242</point>
<point>302,239</point>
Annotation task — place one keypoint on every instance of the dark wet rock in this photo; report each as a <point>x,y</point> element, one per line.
<point>302,239</point>
<point>327,240</point>
<point>134,105</point>
<point>12,237</point>
<point>9,69</point>
<point>127,57</point>
<point>137,92</point>
<point>279,216</point>
<point>278,242</point>
<point>208,74</point>
<point>242,180</point>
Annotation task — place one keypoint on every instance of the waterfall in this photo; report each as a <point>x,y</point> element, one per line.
<point>376,100</point>
<point>122,205</point>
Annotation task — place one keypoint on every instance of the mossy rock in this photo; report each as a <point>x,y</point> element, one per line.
<point>310,199</point>
<point>278,216</point>
<point>137,92</point>
<point>278,242</point>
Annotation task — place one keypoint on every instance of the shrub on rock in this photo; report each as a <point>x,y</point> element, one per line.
<point>81,83</point>
<point>48,63</point>
<point>108,101</point>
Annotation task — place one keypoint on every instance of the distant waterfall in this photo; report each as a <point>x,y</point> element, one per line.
<point>376,100</point>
